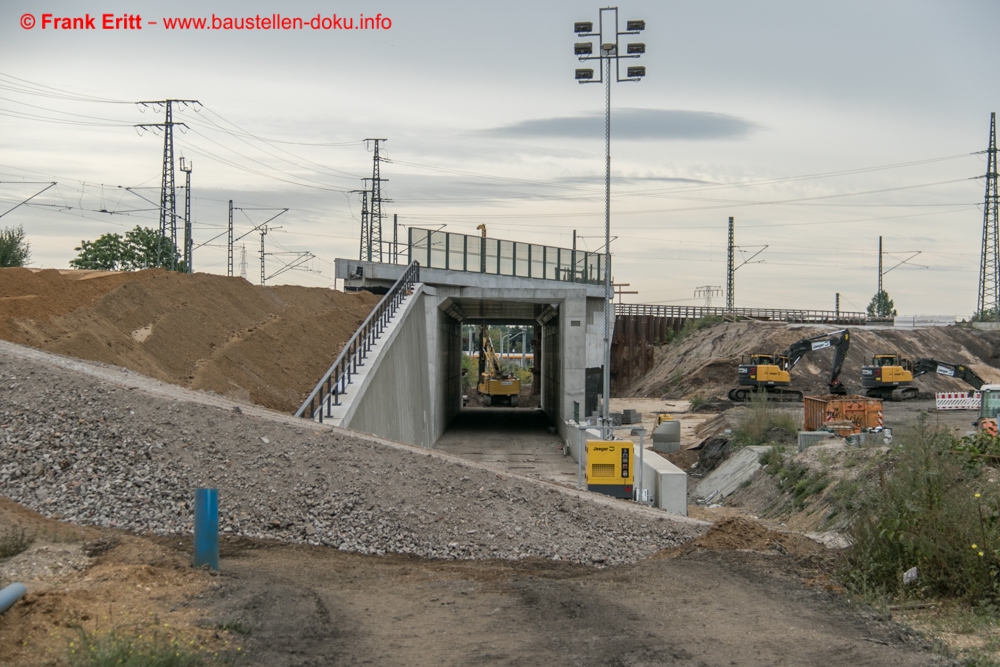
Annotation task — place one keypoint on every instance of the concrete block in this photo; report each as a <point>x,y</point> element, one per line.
<point>665,482</point>
<point>667,437</point>
<point>809,438</point>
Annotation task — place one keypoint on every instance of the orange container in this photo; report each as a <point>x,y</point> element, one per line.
<point>862,412</point>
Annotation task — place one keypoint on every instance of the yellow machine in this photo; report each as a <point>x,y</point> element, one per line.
<point>609,467</point>
<point>496,387</point>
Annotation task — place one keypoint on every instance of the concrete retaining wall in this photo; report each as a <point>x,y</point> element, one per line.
<point>665,482</point>
<point>395,399</point>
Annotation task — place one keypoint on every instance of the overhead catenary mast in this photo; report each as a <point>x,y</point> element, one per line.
<point>168,195</point>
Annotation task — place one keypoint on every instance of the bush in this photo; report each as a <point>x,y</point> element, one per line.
<point>931,513</point>
<point>762,418</point>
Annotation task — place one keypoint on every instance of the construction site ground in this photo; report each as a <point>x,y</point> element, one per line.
<point>746,592</point>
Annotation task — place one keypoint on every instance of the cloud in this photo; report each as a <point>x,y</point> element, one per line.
<point>636,124</point>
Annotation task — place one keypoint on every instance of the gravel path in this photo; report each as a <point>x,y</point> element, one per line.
<point>98,445</point>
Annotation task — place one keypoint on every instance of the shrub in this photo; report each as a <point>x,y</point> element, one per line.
<point>929,512</point>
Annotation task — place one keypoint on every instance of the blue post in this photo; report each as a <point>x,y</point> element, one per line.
<point>206,528</point>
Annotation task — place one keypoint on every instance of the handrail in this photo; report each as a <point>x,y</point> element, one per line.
<point>781,314</point>
<point>329,389</point>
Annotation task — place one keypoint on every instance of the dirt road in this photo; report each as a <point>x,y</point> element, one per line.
<point>314,606</point>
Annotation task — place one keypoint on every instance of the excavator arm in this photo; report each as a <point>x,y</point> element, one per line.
<point>839,340</point>
<point>960,371</point>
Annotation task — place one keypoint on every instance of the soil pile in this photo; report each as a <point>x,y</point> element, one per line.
<point>268,345</point>
<point>704,363</point>
<point>740,533</point>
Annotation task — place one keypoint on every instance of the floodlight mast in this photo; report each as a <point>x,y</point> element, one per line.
<point>609,50</point>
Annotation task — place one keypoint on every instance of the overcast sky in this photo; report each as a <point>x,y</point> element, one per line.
<point>817,126</point>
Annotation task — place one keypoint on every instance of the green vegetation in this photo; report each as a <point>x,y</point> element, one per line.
<point>690,326</point>
<point>936,511</point>
<point>881,305</point>
<point>14,247</point>
<point>124,650</point>
<point>234,626</point>
<point>140,248</point>
<point>755,428</point>
<point>792,477</point>
<point>14,540</point>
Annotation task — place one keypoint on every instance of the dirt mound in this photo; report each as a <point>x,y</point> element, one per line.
<point>740,533</point>
<point>704,363</point>
<point>268,345</point>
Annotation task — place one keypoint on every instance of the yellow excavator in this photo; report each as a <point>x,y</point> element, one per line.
<point>889,376</point>
<point>495,386</point>
<point>769,373</point>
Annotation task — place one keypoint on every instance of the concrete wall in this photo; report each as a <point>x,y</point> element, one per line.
<point>665,482</point>
<point>445,369</point>
<point>395,401</point>
<point>551,372</point>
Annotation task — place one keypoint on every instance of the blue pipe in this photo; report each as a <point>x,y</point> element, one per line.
<point>206,528</point>
<point>10,595</point>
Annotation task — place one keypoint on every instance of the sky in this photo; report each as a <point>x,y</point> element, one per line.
<point>817,126</point>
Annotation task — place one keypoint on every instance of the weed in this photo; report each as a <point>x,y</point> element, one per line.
<point>793,478</point>
<point>760,421</point>
<point>929,513</point>
<point>14,540</point>
<point>697,401</point>
<point>234,626</point>
<point>120,649</point>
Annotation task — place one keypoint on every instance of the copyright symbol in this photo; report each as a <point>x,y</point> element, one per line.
<point>27,21</point>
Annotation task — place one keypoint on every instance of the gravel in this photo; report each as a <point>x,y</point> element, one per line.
<point>77,444</point>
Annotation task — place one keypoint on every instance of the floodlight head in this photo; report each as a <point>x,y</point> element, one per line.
<point>635,26</point>
<point>584,74</point>
<point>636,48</point>
<point>636,72</point>
<point>583,48</point>
<point>581,27</point>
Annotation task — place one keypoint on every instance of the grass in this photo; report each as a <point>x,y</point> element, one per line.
<point>754,428</point>
<point>794,479</point>
<point>120,649</point>
<point>15,540</point>
<point>690,326</point>
<point>234,626</point>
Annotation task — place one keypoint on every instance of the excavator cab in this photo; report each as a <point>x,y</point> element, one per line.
<point>886,373</point>
<point>769,370</point>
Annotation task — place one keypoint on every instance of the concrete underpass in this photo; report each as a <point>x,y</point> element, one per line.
<point>413,390</point>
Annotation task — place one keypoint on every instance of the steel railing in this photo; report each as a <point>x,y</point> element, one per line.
<point>776,314</point>
<point>334,384</point>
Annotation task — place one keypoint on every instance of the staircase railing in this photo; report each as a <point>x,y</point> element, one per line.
<point>334,384</point>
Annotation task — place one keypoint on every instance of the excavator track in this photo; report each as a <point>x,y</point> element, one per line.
<point>893,393</point>
<point>773,394</point>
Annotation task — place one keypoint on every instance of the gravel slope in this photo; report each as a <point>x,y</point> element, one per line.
<point>98,445</point>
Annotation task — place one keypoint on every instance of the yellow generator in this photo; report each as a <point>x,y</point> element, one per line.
<point>609,467</point>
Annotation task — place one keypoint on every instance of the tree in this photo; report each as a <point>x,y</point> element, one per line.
<point>881,305</point>
<point>140,248</point>
<point>14,248</point>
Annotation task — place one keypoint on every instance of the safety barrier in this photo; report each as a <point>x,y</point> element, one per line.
<point>957,400</point>
<point>334,384</point>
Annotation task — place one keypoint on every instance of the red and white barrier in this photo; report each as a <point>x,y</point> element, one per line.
<point>957,400</point>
